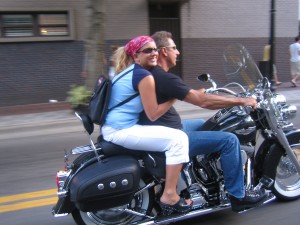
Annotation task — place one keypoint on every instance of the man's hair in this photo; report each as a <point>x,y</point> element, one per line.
<point>297,38</point>
<point>161,38</point>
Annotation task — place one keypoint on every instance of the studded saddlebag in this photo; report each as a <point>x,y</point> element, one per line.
<point>106,184</point>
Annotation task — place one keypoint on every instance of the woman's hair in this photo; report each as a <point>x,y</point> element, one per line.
<point>121,59</point>
<point>123,56</point>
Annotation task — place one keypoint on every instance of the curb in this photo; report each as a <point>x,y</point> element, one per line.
<point>59,106</point>
<point>34,108</point>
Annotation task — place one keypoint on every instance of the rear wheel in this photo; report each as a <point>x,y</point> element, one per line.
<point>141,203</point>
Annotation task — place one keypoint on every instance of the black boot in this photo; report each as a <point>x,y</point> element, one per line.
<point>180,207</point>
<point>252,199</point>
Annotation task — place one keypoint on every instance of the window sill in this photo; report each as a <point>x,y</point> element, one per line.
<point>35,39</point>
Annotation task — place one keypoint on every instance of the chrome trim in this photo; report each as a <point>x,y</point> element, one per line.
<point>59,215</point>
<point>62,194</point>
<point>81,149</point>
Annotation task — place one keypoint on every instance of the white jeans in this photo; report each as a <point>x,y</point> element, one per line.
<point>173,142</point>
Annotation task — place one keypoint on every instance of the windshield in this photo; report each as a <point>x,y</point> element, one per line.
<point>240,67</point>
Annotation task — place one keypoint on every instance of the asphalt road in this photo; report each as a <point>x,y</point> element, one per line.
<point>29,164</point>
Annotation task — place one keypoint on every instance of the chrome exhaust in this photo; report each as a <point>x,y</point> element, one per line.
<point>179,217</point>
<point>196,213</point>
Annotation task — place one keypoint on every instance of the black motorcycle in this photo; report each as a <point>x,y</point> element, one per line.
<point>106,184</point>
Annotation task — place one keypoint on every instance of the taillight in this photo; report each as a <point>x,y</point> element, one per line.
<point>61,177</point>
<point>56,179</point>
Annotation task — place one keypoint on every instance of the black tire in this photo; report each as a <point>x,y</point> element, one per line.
<point>280,168</point>
<point>143,202</point>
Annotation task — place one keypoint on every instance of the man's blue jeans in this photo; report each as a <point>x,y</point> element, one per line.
<point>205,142</point>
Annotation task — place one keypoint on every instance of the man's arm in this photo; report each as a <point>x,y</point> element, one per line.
<point>210,101</point>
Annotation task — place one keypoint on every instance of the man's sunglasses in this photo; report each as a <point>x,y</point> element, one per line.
<point>148,50</point>
<point>172,47</point>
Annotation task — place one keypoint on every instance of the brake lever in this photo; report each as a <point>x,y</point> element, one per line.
<point>210,91</point>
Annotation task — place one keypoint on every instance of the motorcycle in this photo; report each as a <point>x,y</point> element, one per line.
<point>107,184</point>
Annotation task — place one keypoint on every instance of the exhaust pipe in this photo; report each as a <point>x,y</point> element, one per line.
<point>191,214</point>
<point>196,213</point>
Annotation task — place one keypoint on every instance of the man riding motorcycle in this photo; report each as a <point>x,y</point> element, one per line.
<point>170,86</point>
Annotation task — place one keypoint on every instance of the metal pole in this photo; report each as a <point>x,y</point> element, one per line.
<point>272,43</point>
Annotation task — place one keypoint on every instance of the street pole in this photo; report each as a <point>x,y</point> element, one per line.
<point>272,43</point>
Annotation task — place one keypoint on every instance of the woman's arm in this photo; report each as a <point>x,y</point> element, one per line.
<point>152,109</point>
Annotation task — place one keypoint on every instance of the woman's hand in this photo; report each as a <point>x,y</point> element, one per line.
<point>152,109</point>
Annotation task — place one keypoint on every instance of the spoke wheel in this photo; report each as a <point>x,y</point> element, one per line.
<point>287,179</point>
<point>280,168</point>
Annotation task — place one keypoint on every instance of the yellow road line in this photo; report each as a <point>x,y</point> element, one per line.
<point>28,204</point>
<point>36,194</point>
<point>22,201</point>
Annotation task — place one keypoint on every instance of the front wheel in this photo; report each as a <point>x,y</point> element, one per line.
<point>287,179</point>
<point>141,202</point>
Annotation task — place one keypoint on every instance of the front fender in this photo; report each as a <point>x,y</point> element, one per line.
<point>271,146</point>
<point>292,135</point>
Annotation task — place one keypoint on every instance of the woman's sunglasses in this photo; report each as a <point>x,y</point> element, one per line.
<point>148,50</point>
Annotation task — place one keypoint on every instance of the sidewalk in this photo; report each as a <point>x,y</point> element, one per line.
<point>50,114</point>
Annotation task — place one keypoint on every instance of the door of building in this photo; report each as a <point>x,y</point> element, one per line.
<point>166,16</point>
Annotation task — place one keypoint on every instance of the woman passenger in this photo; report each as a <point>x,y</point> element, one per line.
<point>121,126</point>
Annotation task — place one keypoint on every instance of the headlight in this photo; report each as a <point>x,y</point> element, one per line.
<point>280,99</point>
<point>289,111</point>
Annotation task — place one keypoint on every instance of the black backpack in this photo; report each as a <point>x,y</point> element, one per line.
<point>98,105</point>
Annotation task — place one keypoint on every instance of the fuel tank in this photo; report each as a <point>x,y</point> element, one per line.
<point>234,120</point>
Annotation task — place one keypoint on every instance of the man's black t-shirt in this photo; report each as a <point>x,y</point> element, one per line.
<point>168,86</point>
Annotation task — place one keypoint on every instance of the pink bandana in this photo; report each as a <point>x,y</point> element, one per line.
<point>136,44</point>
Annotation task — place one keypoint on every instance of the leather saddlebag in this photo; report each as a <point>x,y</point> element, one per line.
<point>109,183</point>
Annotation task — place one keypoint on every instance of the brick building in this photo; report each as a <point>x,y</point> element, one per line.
<point>42,43</point>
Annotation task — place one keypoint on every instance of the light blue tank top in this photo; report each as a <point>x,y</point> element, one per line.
<point>126,115</point>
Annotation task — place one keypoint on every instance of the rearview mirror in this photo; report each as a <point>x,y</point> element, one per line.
<point>205,77</point>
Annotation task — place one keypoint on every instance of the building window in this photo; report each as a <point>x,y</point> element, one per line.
<point>17,25</point>
<point>35,26</point>
<point>53,24</point>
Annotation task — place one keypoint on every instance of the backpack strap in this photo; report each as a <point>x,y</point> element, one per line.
<point>127,99</point>
<point>119,77</point>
